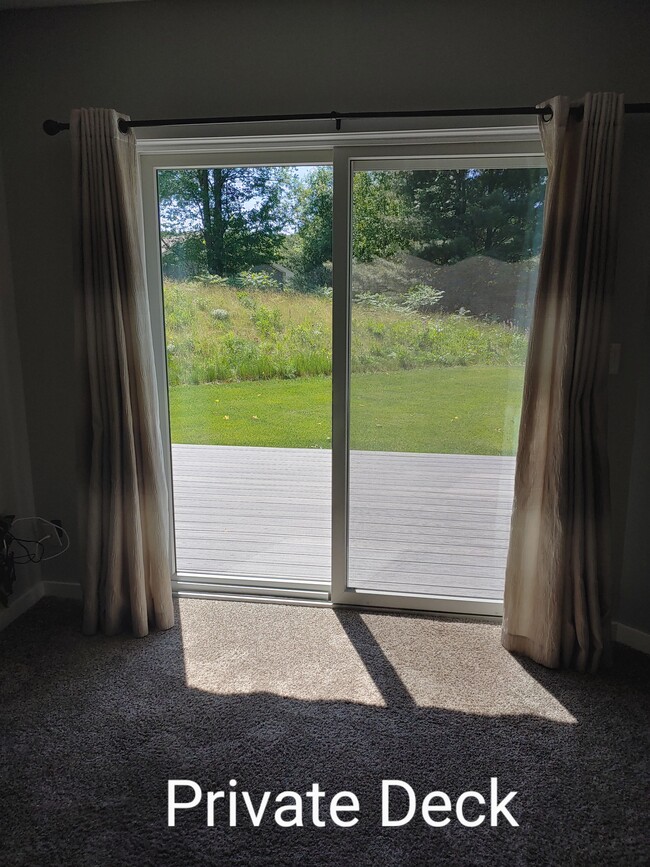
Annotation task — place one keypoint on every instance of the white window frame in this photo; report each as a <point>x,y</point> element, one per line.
<point>503,146</point>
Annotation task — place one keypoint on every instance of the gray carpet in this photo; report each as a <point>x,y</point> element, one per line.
<point>280,697</point>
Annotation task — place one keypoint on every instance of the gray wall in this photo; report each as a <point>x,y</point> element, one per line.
<point>196,57</point>
<point>16,492</point>
<point>634,606</point>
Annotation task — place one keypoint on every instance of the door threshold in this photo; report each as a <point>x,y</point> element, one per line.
<point>191,590</point>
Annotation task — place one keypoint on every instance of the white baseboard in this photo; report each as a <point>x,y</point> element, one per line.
<point>63,589</point>
<point>21,604</point>
<point>631,637</point>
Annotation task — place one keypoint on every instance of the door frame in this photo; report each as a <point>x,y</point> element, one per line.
<point>440,155</point>
<point>168,156</point>
<point>495,146</point>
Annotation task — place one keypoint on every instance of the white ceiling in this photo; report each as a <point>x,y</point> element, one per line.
<point>33,4</point>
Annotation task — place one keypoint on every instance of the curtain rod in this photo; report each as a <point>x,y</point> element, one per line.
<point>52,127</point>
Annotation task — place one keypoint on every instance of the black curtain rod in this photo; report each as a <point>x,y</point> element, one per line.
<point>52,127</point>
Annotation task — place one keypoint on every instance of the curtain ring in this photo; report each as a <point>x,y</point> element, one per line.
<point>547,113</point>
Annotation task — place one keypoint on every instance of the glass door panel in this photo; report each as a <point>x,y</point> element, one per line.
<point>246,274</point>
<point>442,275</point>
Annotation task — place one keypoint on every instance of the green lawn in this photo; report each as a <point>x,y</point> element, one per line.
<point>465,410</point>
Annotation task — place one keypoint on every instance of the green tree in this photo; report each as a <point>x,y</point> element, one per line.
<point>311,246</point>
<point>458,213</point>
<point>241,215</point>
<point>381,223</point>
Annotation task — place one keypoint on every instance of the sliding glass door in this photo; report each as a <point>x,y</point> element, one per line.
<point>246,294</point>
<point>436,294</point>
<point>342,338</point>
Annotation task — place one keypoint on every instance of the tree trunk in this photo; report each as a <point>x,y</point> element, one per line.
<point>218,222</point>
<point>206,213</point>
<point>214,226</point>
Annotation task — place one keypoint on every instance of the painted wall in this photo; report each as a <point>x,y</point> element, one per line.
<point>634,594</point>
<point>16,492</point>
<point>247,57</point>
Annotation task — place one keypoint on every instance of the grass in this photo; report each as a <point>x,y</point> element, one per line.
<point>216,333</point>
<point>444,409</point>
<point>252,367</point>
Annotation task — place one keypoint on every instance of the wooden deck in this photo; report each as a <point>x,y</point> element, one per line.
<point>419,523</point>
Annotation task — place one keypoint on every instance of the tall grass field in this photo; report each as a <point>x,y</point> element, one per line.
<point>252,367</point>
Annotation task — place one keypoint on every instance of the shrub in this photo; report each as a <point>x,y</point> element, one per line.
<point>212,279</point>
<point>422,298</point>
<point>246,300</point>
<point>220,314</point>
<point>260,280</point>
<point>373,299</point>
<point>268,322</point>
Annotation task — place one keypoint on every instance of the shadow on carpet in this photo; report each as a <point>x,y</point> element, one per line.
<point>279,698</point>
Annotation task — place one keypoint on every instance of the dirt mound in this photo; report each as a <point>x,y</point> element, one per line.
<point>483,286</point>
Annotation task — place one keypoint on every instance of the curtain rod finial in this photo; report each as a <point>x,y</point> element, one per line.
<point>52,127</point>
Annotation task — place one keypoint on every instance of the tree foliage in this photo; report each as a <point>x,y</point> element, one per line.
<point>311,246</point>
<point>458,213</point>
<point>234,219</point>
<point>381,222</point>
<point>442,216</point>
<point>240,215</point>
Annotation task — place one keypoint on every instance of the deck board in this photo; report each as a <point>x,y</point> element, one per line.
<point>419,523</point>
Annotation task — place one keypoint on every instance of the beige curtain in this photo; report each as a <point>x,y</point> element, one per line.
<point>557,591</point>
<point>127,581</point>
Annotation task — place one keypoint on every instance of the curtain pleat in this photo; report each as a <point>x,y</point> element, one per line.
<point>128,571</point>
<point>557,590</point>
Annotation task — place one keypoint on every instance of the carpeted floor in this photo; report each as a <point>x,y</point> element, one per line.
<point>280,697</point>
